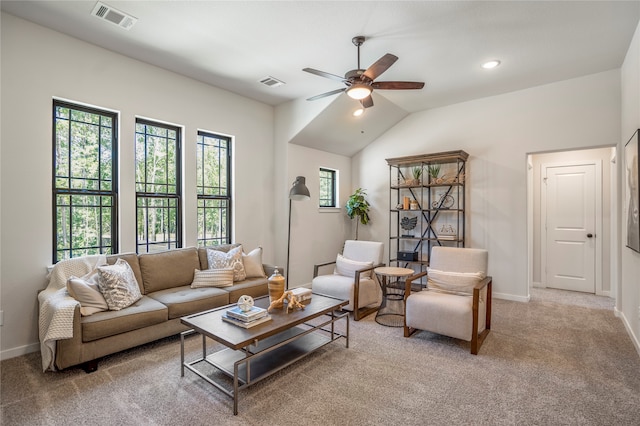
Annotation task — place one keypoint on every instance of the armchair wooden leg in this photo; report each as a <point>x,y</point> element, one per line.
<point>358,314</point>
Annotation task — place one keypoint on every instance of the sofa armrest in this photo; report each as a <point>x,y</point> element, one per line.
<point>69,351</point>
<point>270,269</point>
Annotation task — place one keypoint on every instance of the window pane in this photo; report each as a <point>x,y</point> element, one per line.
<point>157,186</point>
<point>84,190</point>
<point>327,195</point>
<point>214,189</point>
<point>157,224</point>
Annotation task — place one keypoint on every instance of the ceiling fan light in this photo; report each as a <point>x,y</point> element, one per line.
<point>359,91</point>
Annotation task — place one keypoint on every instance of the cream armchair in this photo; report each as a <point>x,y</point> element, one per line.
<point>457,301</point>
<point>352,277</point>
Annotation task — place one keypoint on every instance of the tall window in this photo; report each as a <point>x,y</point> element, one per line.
<point>158,188</point>
<point>84,183</point>
<point>328,188</point>
<point>214,189</point>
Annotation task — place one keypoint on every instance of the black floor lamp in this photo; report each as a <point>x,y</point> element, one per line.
<point>298,192</point>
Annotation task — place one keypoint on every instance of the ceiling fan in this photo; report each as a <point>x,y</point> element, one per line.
<point>360,83</point>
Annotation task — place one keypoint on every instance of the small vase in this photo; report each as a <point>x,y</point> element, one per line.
<point>275,286</point>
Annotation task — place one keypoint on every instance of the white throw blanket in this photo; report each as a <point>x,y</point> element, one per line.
<point>57,307</point>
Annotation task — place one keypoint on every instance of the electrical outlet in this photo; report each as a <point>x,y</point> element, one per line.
<point>1,318</point>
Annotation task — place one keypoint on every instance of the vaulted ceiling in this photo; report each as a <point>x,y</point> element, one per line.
<point>235,44</point>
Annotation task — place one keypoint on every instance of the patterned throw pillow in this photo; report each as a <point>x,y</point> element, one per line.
<point>118,285</point>
<point>212,278</point>
<point>231,259</point>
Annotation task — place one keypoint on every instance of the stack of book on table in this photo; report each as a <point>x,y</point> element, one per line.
<point>246,319</point>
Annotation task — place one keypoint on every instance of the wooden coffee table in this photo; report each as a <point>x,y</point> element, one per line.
<point>258,352</point>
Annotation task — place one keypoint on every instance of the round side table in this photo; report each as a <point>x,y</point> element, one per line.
<point>391,311</point>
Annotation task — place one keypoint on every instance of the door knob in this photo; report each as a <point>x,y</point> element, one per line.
<point>589,235</point>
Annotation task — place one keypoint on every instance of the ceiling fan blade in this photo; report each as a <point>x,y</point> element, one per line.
<point>367,102</point>
<point>380,66</point>
<point>325,74</point>
<point>324,95</point>
<point>397,85</point>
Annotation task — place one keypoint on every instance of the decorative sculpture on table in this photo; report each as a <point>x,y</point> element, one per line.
<point>245,303</point>
<point>290,298</point>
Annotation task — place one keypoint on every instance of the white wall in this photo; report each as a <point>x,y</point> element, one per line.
<point>39,64</point>
<point>317,235</point>
<point>498,132</point>
<point>629,301</point>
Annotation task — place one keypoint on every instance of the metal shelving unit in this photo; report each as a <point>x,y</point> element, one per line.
<point>436,213</point>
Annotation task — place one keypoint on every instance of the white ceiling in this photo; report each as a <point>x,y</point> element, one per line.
<point>234,44</point>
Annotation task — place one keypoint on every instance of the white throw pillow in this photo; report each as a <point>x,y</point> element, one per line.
<point>253,263</point>
<point>86,291</point>
<point>231,259</point>
<point>212,278</point>
<point>455,282</point>
<point>347,267</point>
<point>118,285</point>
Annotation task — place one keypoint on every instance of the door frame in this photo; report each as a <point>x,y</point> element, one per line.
<point>598,219</point>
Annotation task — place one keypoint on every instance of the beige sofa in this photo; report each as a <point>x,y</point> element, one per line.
<point>165,283</point>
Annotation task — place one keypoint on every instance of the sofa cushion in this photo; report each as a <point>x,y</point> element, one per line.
<point>202,253</point>
<point>212,278</point>
<point>143,313</point>
<point>167,269</point>
<point>232,259</point>
<point>254,287</point>
<point>118,285</point>
<point>185,300</point>
<point>252,262</point>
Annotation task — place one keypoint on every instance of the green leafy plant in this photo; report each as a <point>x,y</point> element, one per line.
<point>417,172</point>
<point>434,170</point>
<point>358,207</point>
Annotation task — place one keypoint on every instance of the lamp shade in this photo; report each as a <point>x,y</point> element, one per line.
<point>299,190</point>
<point>359,91</point>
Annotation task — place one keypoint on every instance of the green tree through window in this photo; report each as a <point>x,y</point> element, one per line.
<point>214,189</point>
<point>84,184</point>
<point>158,187</point>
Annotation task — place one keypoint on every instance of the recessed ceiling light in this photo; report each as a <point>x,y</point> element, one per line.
<point>358,112</point>
<point>491,64</point>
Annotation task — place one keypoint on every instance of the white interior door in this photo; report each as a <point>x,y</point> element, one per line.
<point>571,223</point>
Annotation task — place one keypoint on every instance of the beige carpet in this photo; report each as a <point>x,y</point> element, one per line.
<point>562,359</point>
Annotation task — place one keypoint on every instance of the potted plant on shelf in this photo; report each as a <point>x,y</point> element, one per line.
<point>358,207</point>
<point>434,171</point>
<point>417,173</point>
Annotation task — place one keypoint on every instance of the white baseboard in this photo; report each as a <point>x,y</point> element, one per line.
<point>20,350</point>
<point>513,297</point>
<point>634,338</point>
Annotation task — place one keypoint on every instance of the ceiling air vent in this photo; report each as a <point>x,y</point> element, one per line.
<point>114,16</point>
<point>271,82</point>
